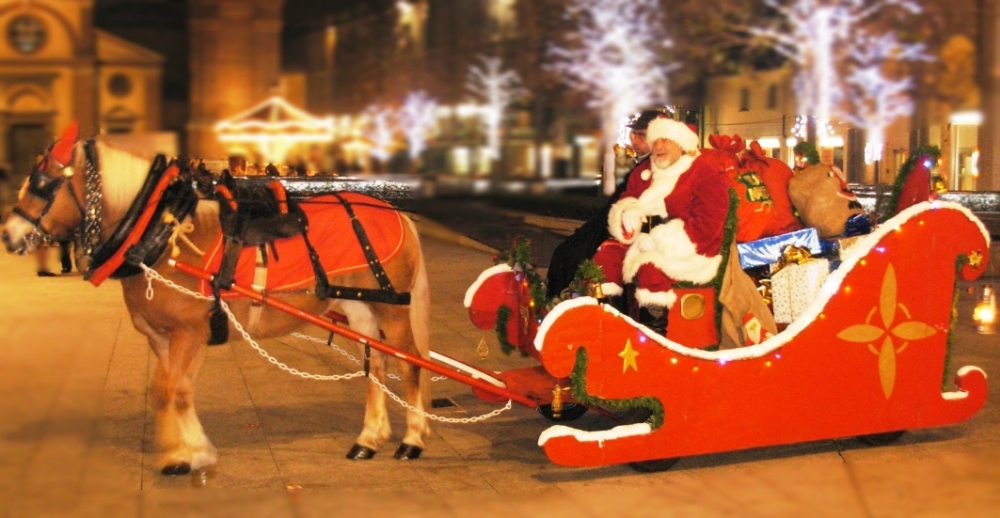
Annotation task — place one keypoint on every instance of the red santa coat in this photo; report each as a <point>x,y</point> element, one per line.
<point>694,198</point>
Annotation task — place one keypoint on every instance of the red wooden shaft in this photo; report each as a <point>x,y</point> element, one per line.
<point>358,337</point>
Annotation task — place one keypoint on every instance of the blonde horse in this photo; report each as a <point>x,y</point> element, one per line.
<point>53,204</point>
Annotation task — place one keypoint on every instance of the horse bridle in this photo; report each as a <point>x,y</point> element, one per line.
<point>45,187</point>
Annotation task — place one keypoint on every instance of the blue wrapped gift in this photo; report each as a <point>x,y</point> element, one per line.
<point>857,225</point>
<point>763,252</point>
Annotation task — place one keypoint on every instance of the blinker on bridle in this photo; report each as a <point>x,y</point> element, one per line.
<point>45,187</point>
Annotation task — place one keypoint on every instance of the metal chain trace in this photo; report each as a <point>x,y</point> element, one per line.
<point>152,274</point>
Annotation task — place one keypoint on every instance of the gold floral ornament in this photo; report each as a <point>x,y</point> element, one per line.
<point>907,331</point>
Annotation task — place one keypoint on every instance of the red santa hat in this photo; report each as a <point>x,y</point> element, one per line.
<point>670,129</point>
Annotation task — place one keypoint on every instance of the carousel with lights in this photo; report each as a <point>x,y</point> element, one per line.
<point>864,320</point>
<point>273,129</point>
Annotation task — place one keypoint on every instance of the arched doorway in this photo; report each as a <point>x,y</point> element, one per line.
<point>27,123</point>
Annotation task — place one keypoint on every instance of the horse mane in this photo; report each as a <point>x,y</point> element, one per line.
<point>122,176</point>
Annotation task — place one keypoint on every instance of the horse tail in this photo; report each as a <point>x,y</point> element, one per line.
<point>420,310</point>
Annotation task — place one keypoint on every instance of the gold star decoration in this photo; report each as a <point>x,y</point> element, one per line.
<point>628,355</point>
<point>976,259</point>
<point>905,331</point>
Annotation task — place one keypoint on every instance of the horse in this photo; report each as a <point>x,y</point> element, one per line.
<point>54,203</point>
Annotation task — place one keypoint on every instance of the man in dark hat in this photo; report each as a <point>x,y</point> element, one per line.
<point>583,244</point>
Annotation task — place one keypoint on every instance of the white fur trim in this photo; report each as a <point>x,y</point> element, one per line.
<point>483,277</point>
<point>663,299</point>
<point>664,180</point>
<point>611,289</point>
<point>672,130</point>
<point>674,254</point>
<point>599,436</point>
<point>615,218</point>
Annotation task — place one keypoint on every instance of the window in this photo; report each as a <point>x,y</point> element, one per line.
<point>772,97</point>
<point>26,34</point>
<point>744,99</point>
<point>120,85</point>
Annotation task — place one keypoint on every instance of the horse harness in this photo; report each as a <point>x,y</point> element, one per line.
<point>259,215</point>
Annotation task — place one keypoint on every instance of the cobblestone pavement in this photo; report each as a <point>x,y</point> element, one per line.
<point>76,432</point>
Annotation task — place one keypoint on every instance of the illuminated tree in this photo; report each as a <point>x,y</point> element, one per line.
<point>812,35</point>
<point>876,99</point>
<point>613,57</point>
<point>417,120</point>
<point>496,88</point>
<point>381,118</point>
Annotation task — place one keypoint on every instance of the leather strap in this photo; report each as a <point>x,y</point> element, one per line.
<point>386,293</point>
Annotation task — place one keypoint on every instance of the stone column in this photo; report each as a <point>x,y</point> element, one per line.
<point>266,48</point>
<point>200,137</point>
<point>989,75</point>
<point>85,97</point>
<point>235,60</point>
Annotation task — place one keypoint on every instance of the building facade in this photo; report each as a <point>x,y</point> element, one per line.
<point>55,67</point>
<point>760,105</point>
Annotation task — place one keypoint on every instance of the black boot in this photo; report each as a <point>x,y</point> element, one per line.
<point>654,318</point>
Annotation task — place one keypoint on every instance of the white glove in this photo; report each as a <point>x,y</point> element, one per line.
<point>632,220</point>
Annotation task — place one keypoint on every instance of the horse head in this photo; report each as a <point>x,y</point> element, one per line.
<point>50,204</point>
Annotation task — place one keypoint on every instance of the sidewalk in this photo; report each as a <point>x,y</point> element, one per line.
<point>76,433</point>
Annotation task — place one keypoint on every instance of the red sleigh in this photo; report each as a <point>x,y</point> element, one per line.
<point>869,357</point>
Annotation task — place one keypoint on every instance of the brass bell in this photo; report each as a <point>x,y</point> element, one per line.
<point>595,290</point>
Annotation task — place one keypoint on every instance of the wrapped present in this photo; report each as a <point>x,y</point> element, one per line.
<point>795,286</point>
<point>768,250</point>
<point>858,225</point>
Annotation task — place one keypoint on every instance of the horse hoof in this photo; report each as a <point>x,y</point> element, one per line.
<point>408,452</point>
<point>174,470</point>
<point>359,452</point>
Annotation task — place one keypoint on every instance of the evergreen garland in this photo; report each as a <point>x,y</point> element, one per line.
<point>503,316</point>
<point>960,263</point>
<point>578,381</point>
<point>519,260</point>
<point>808,151</point>
<point>888,208</point>
<point>588,274</point>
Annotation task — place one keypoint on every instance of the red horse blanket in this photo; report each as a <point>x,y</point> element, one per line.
<point>331,233</point>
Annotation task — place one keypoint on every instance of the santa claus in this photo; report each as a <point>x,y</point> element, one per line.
<point>684,200</point>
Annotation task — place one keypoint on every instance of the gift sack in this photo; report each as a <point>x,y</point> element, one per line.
<point>757,214</point>
<point>796,286</point>
<point>762,176</point>
<point>823,200</point>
